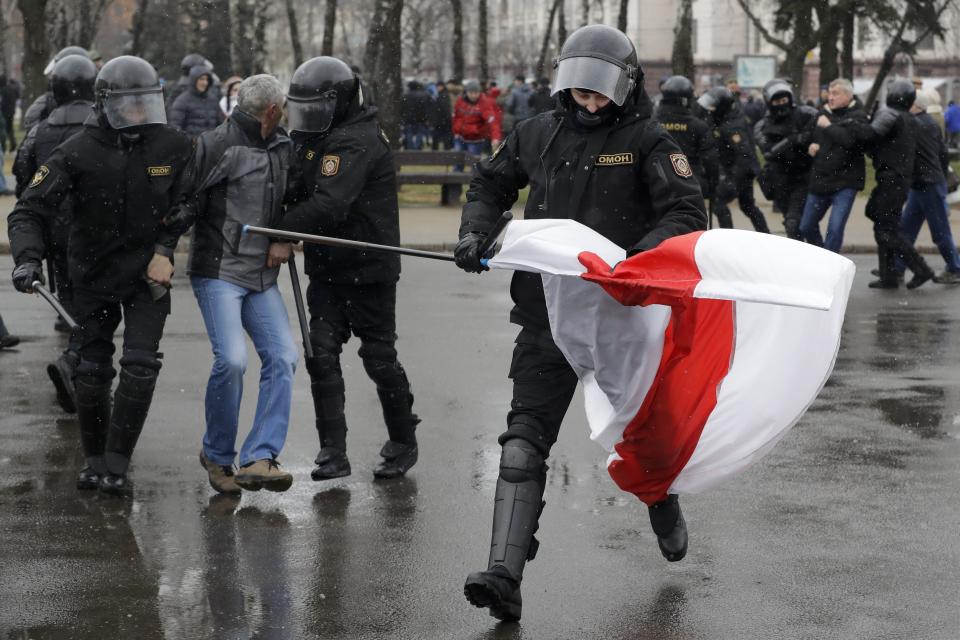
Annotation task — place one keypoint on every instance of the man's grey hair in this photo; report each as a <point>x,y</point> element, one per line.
<point>258,92</point>
<point>843,84</point>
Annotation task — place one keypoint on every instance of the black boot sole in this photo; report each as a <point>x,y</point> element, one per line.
<point>326,473</point>
<point>64,396</point>
<point>88,483</point>
<point>397,467</point>
<point>481,595</point>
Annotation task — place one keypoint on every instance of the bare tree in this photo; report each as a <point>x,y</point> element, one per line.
<point>542,60</point>
<point>682,58</point>
<point>294,34</point>
<point>561,25</point>
<point>329,24</point>
<point>482,53</point>
<point>622,16</point>
<point>381,63</point>
<point>136,27</point>
<point>35,47</point>
<point>457,6</point>
<point>795,18</point>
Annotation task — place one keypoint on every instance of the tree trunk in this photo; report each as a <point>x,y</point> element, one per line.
<point>89,21</point>
<point>294,34</point>
<point>329,24</point>
<point>542,60</point>
<point>457,6</point>
<point>846,56</point>
<point>137,26</point>
<point>830,25</point>
<point>261,18</point>
<point>482,26</point>
<point>217,37</point>
<point>622,17</point>
<point>561,25</point>
<point>682,58</point>
<point>585,13</point>
<point>35,48</point>
<point>382,64</point>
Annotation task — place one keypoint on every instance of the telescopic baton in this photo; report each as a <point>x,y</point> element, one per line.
<point>49,297</point>
<point>301,312</point>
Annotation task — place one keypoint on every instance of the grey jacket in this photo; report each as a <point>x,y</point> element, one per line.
<point>237,179</point>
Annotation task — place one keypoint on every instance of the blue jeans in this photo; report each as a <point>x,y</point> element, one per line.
<point>228,310</point>
<point>459,144</point>
<point>415,136</point>
<point>929,202</point>
<point>813,212</point>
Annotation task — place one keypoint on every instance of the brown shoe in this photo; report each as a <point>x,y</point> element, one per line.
<point>264,474</point>
<point>222,477</point>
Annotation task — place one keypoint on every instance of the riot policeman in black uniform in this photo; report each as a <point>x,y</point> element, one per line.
<point>784,136</point>
<point>638,191</point>
<point>45,103</point>
<point>350,192</point>
<point>892,145</point>
<point>693,135</point>
<point>738,158</point>
<point>121,173</point>
<point>71,83</point>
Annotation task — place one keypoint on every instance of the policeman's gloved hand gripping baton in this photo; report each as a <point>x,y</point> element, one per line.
<point>369,246</point>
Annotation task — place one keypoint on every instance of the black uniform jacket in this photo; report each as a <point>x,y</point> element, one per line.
<point>893,145</point>
<point>735,147</point>
<point>350,192</point>
<point>932,162</point>
<point>695,139</point>
<point>121,191</point>
<point>786,142</point>
<point>640,190</point>
<point>61,124</point>
<point>839,163</point>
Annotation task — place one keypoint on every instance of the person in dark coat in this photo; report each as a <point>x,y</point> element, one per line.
<point>72,85</point>
<point>123,172</point>
<point>197,110</point>
<point>542,100</point>
<point>640,191</point>
<point>838,170</point>
<point>893,145</point>
<point>183,83</point>
<point>350,192</point>
<point>693,135</point>
<point>442,118</point>
<point>9,95</point>
<point>783,136</point>
<point>927,199</point>
<point>416,109</point>
<point>738,158</point>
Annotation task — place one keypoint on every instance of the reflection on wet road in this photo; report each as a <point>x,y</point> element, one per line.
<point>849,529</point>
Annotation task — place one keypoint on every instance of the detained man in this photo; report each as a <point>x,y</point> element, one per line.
<point>239,176</point>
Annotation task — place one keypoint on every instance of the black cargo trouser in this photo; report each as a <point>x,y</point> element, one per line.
<point>747,203</point>
<point>543,386</point>
<point>884,208</point>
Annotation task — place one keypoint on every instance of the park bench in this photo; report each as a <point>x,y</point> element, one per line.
<point>450,181</point>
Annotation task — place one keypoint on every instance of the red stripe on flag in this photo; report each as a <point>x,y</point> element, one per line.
<point>698,347</point>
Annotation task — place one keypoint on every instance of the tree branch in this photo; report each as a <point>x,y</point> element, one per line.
<point>769,37</point>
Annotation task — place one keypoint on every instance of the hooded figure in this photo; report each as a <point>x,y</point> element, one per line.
<point>196,110</point>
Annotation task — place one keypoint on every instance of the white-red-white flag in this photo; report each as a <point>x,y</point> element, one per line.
<point>697,356</point>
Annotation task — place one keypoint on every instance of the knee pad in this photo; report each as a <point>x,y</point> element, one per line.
<point>138,379</point>
<point>520,461</point>
<point>323,366</point>
<point>139,359</point>
<point>380,363</point>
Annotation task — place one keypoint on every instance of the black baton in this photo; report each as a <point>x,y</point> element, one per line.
<point>49,297</point>
<point>301,312</point>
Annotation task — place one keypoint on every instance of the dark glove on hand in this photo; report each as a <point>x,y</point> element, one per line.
<point>25,274</point>
<point>467,252</point>
<point>180,219</point>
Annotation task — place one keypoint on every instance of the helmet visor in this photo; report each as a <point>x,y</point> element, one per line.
<point>707,102</point>
<point>312,116</point>
<point>125,110</point>
<point>598,75</point>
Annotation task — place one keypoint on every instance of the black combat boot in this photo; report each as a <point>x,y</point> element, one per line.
<point>93,413</point>
<point>130,406</point>
<point>400,452</point>
<point>62,372</point>
<point>888,278</point>
<point>667,522</point>
<point>516,514</point>
<point>328,403</point>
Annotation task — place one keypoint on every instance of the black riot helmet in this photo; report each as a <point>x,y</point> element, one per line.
<point>323,92</point>
<point>677,90</point>
<point>776,90</point>
<point>72,79</point>
<point>901,94</point>
<point>128,94</point>
<point>718,102</point>
<point>63,53</point>
<point>192,60</point>
<point>601,59</point>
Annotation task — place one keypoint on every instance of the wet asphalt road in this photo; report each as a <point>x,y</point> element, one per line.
<point>849,529</point>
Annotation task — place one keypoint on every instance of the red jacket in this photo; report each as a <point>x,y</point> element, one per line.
<point>476,121</point>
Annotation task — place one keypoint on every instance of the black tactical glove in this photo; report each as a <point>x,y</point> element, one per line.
<point>467,252</point>
<point>25,274</point>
